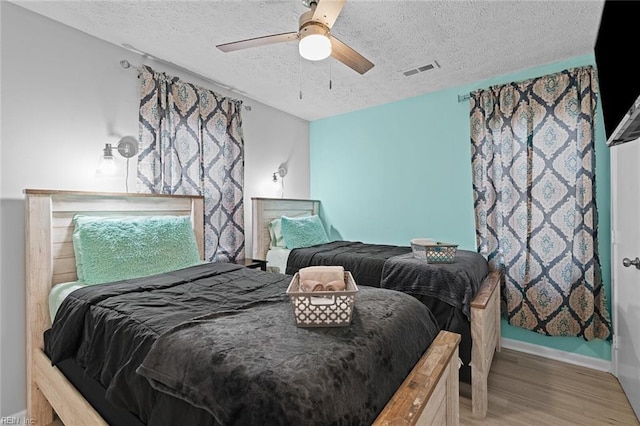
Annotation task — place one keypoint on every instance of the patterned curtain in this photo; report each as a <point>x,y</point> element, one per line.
<point>191,143</point>
<point>533,159</point>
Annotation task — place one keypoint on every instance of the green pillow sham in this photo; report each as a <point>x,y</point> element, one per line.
<point>301,232</point>
<point>110,249</point>
<point>275,232</point>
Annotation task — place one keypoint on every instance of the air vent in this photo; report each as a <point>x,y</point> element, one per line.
<point>423,68</point>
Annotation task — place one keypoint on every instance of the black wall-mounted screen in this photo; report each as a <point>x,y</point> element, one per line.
<point>617,51</point>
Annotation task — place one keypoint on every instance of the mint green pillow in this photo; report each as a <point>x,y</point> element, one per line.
<point>109,249</point>
<point>303,231</point>
<point>275,232</point>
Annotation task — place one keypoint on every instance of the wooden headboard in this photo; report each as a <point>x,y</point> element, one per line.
<point>264,210</point>
<point>50,258</point>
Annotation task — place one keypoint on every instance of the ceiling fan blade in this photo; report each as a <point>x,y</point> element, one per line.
<point>349,57</point>
<point>258,41</point>
<point>327,11</point>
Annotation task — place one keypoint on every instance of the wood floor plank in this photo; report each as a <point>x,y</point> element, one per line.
<point>529,390</point>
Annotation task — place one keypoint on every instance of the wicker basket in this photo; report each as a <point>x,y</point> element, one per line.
<point>434,252</point>
<point>322,308</point>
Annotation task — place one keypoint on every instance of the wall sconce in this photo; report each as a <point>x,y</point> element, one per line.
<point>127,147</point>
<point>279,175</point>
<point>281,172</point>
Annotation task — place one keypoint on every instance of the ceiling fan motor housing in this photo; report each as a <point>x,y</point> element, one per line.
<point>307,19</point>
<point>313,28</point>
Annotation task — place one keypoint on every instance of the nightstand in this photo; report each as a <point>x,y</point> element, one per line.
<point>253,263</point>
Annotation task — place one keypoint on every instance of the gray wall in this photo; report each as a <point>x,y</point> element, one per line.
<point>64,95</point>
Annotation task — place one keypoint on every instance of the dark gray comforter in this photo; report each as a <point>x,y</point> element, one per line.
<point>454,283</point>
<point>364,261</point>
<point>223,338</point>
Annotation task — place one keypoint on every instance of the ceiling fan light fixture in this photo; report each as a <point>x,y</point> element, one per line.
<point>314,43</point>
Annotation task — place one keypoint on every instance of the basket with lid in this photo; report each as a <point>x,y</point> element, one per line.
<point>433,251</point>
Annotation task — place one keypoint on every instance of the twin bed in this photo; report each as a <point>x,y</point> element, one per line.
<point>215,343</point>
<point>464,296</point>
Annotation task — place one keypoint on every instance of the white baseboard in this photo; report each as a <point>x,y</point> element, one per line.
<point>558,355</point>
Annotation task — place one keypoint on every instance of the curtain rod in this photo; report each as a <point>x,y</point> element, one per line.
<point>467,96</point>
<point>126,65</point>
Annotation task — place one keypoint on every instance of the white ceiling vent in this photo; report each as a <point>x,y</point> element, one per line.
<point>423,68</point>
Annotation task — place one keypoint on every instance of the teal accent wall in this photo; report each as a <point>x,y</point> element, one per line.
<point>402,170</point>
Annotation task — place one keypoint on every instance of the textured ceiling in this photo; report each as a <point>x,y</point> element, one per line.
<point>470,40</point>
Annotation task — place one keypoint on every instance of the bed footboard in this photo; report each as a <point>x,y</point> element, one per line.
<point>429,395</point>
<point>485,335</point>
<point>56,393</point>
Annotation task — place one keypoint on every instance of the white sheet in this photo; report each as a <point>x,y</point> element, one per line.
<point>59,292</point>
<point>277,259</point>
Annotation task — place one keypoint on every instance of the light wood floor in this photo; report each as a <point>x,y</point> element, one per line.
<point>529,390</point>
<point>532,391</point>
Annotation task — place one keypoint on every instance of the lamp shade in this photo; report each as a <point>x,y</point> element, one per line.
<point>107,167</point>
<point>314,43</point>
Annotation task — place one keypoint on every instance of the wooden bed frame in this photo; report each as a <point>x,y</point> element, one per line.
<point>429,394</point>
<point>485,307</point>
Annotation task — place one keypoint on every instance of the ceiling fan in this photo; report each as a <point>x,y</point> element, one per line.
<point>315,40</point>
